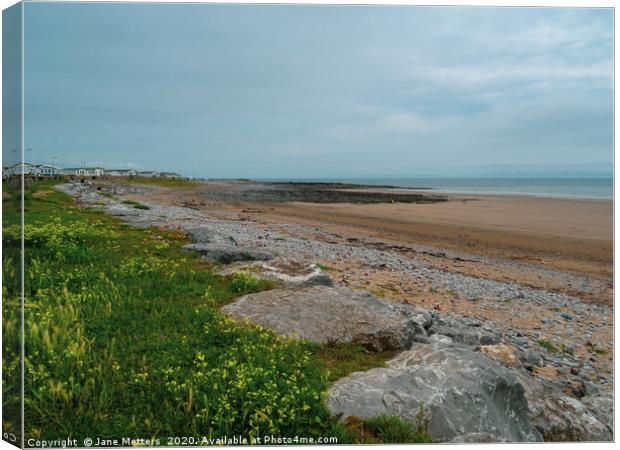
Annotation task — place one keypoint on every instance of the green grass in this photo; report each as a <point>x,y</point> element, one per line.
<point>341,359</point>
<point>548,345</point>
<point>107,194</point>
<point>161,182</point>
<point>125,338</point>
<point>394,430</point>
<point>389,429</point>
<point>326,268</point>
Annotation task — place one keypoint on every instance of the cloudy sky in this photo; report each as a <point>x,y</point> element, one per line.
<point>320,91</point>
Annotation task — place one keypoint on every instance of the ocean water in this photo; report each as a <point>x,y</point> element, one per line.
<point>578,188</point>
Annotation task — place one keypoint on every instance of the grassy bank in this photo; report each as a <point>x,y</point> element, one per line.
<point>124,338</point>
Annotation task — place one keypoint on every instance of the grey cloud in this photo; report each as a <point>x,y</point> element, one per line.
<point>279,91</point>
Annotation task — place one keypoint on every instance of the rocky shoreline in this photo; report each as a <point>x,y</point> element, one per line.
<point>281,192</point>
<point>479,380</point>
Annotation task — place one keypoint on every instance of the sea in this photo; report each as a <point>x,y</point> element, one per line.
<point>575,188</point>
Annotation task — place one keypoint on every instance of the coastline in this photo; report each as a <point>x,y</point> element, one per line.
<point>566,235</point>
<point>549,296</point>
<point>554,188</point>
<point>473,195</point>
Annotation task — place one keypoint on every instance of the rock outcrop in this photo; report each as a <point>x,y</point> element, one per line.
<point>328,314</point>
<point>559,417</point>
<point>465,335</point>
<point>602,407</point>
<point>463,392</point>
<point>226,254</point>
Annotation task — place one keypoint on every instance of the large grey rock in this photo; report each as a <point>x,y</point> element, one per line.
<point>602,407</point>
<point>201,235</point>
<point>420,320</point>
<point>226,254</point>
<point>465,335</point>
<point>205,235</point>
<point>559,417</point>
<point>530,358</point>
<point>476,438</point>
<point>327,314</point>
<point>462,391</point>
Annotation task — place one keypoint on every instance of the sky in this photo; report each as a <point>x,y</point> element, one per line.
<point>320,91</point>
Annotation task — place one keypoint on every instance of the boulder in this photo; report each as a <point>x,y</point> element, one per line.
<point>476,438</point>
<point>226,254</point>
<point>201,235</point>
<point>327,314</point>
<point>422,317</point>
<point>602,407</point>
<point>420,320</point>
<point>462,392</point>
<point>205,235</point>
<point>529,358</point>
<point>319,279</point>
<point>559,417</point>
<point>465,335</point>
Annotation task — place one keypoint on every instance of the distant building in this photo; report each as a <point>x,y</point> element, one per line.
<point>45,170</point>
<point>148,174</point>
<point>121,172</point>
<point>84,171</point>
<point>40,170</point>
<point>19,168</point>
<point>170,175</point>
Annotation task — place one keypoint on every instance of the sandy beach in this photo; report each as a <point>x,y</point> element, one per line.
<point>565,234</point>
<point>575,235</point>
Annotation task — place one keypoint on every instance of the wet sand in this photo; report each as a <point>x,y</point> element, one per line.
<point>575,235</point>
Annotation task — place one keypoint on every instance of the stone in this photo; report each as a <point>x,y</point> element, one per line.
<point>557,416</point>
<point>566,316</point>
<point>226,254</point>
<point>420,321</point>
<point>205,235</point>
<point>589,388</point>
<point>502,353</point>
<point>319,279</point>
<point>465,335</point>
<point>476,438</point>
<point>327,314</point>
<point>462,392</point>
<point>489,339</point>
<point>200,235</point>
<point>574,388</point>
<point>529,358</point>
<point>602,407</point>
<point>423,317</point>
<point>461,335</point>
